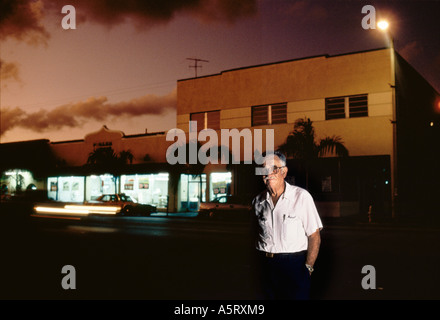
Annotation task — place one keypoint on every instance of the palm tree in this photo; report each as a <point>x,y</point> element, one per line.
<point>125,157</point>
<point>107,159</point>
<point>102,157</point>
<point>300,144</point>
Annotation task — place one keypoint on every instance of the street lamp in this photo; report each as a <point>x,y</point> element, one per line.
<point>384,26</point>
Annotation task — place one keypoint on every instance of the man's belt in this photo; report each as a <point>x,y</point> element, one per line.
<point>273,255</point>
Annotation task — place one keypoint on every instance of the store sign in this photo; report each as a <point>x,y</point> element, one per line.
<point>102,144</point>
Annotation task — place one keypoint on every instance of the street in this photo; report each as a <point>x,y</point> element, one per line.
<point>177,258</point>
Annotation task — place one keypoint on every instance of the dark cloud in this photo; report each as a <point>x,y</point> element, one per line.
<point>9,70</point>
<point>303,11</point>
<point>224,10</point>
<point>22,20</point>
<point>75,114</point>
<point>10,118</point>
<point>147,13</point>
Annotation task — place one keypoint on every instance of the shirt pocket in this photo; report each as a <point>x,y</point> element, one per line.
<point>292,228</point>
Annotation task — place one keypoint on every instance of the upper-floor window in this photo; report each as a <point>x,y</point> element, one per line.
<point>346,107</point>
<point>260,115</point>
<point>358,106</point>
<point>206,120</point>
<point>269,114</point>
<point>334,108</point>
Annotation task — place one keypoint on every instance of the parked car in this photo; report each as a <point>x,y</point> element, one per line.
<point>226,207</point>
<point>129,206</point>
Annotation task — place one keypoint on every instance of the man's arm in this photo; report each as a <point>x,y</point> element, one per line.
<point>313,247</point>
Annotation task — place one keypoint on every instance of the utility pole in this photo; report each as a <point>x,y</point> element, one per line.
<point>195,66</point>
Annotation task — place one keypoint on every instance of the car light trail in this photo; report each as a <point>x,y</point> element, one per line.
<point>95,209</point>
<point>78,210</point>
<point>61,211</point>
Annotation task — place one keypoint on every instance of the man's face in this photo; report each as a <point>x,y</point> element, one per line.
<point>276,172</point>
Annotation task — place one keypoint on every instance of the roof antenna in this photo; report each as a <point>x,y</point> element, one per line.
<point>195,66</point>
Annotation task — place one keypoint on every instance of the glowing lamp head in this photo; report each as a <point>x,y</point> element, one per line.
<point>383,25</point>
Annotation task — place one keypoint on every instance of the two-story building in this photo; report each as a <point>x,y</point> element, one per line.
<point>386,114</point>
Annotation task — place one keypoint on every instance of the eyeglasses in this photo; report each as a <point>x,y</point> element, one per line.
<point>269,170</point>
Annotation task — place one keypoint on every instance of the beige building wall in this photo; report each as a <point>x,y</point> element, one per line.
<point>304,85</point>
<point>76,153</point>
<point>298,80</point>
<point>73,153</point>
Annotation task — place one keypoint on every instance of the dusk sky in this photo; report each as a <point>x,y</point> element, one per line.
<point>120,66</point>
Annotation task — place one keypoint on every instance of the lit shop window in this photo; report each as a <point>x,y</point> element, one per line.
<point>99,185</point>
<point>192,191</point>
<point>66,189</point>
<point>16,181</point>
<point>52,188</point>
<point>147,188</point>
<point>220,184</point>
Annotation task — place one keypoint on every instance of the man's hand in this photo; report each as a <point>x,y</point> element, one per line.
<point>313,248</point>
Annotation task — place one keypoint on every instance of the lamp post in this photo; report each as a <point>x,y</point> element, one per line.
<point>384,26</point>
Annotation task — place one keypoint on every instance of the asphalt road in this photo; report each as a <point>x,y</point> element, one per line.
<point>160,258</point>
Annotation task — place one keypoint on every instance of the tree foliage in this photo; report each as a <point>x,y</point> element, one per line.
<point>301,143</point>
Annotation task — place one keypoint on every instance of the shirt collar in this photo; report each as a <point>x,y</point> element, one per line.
<point>286,194</point>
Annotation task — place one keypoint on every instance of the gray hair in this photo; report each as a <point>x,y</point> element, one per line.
<point>278,154</point>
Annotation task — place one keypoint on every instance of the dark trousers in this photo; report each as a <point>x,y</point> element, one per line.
<point>285,276</point>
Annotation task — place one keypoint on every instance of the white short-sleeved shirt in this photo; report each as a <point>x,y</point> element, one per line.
<point>286,227</point>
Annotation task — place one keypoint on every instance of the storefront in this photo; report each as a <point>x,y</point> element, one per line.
<point>144,188</point>
<point>16,181</point>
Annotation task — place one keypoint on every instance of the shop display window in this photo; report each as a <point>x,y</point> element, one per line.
<point>192,191</point>
<point>16,181</point>
<point>99,185</point>
<point>66,189</point>
<point>147,188</point>
<point>220,184</point>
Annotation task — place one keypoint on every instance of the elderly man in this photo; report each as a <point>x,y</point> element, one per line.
<point>288,237</point>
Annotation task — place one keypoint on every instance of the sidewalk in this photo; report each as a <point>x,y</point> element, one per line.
<point>422,221</point>
<point>175,214</point>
